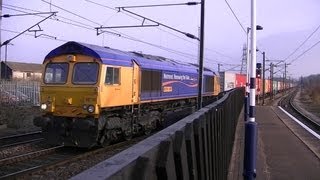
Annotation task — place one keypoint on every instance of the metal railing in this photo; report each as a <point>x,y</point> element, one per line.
<point>20,93</point>
<point>196,147</point>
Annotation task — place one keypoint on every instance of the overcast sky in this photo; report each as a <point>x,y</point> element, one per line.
<point>286,23</point>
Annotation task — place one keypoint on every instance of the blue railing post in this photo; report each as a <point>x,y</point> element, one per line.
<point>250,152</point>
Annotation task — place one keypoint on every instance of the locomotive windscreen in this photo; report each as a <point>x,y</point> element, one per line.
<point>56,73</point>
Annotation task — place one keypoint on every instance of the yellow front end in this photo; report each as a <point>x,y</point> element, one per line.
<point>65,94</point>
<point>70,100</point>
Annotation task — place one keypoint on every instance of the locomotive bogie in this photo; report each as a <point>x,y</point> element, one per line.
<point>80,132</point>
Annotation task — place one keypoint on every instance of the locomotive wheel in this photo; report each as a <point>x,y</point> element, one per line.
<point>127,134</point>
<point>150,127</point>
<point>147,130</point>
<point>106,139</point>
<point>128,137</point>
<point>104,142</point>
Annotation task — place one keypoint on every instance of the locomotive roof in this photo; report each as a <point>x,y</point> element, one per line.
<point>122,58</point>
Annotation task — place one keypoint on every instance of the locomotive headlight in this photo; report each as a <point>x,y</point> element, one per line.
<point>44,106</point>
<point>90,109</point>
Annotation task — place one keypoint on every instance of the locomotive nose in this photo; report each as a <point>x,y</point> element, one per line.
<point>70,102</point>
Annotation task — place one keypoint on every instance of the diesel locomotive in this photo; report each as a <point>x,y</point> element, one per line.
<point>92,95</point>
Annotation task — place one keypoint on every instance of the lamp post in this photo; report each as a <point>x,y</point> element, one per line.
<point>246,100</point>
<point>5,60</point>
<point>263,76</point>
<point>285,75</point>
<point>249,171</point>
<point>272,65</point>
<point>271,81</point>
<point>201,55</point>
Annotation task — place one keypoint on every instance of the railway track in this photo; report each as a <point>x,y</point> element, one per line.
<point>287,104</point>
<point>37,163</point>
<point>13,166</point>
<point>20,139</point>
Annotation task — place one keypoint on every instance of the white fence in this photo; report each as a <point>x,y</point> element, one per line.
<point>20,93</point>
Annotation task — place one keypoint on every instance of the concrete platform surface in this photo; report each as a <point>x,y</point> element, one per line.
<point>282,153</point>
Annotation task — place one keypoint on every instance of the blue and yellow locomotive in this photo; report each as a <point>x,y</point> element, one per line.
<point>92,95</point>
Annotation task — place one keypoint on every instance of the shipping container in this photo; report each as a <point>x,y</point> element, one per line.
<point>228,80</point>
<point>259,86</point>
<point>282,86</point>
<point>279,85</point>
<point>267,86</point>
<point>241,80</point>
<point>275,86</point>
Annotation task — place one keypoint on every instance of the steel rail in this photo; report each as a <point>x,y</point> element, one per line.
<point>21,143</point>
<point>20,135</point>
<point>73,158</point>
<point>298,114</point>
<point>19,139</point>
<point>311,122</point>
<point>22,157</point>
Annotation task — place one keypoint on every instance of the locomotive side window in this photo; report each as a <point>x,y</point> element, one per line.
<point>112,76</point>
<point>56,73</point>
<point>85,73</point>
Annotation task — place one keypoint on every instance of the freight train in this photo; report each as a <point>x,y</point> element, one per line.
<point>230,80</point>
<point>92,95</point>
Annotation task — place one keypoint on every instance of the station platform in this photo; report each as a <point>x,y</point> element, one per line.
<point>285,150</point>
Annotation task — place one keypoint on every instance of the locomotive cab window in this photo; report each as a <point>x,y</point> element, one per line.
<point>112,76</point>
<point>85,73</point>
<point>56,73</point>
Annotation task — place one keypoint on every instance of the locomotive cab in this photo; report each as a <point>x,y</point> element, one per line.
<point>71,88</point>
<point>69,100</point>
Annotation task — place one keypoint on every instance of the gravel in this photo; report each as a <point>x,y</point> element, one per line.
<point>21,149</point>
<point>307,103</point>
<point>69,168</point>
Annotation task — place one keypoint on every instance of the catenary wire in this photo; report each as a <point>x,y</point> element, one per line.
<point>304,52</point>
<point>29,34</point>
<point>302,43</point>
<point>184,39</point>
<point>125,36</point>
<point>234,14</point>
<point>130,37</point>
